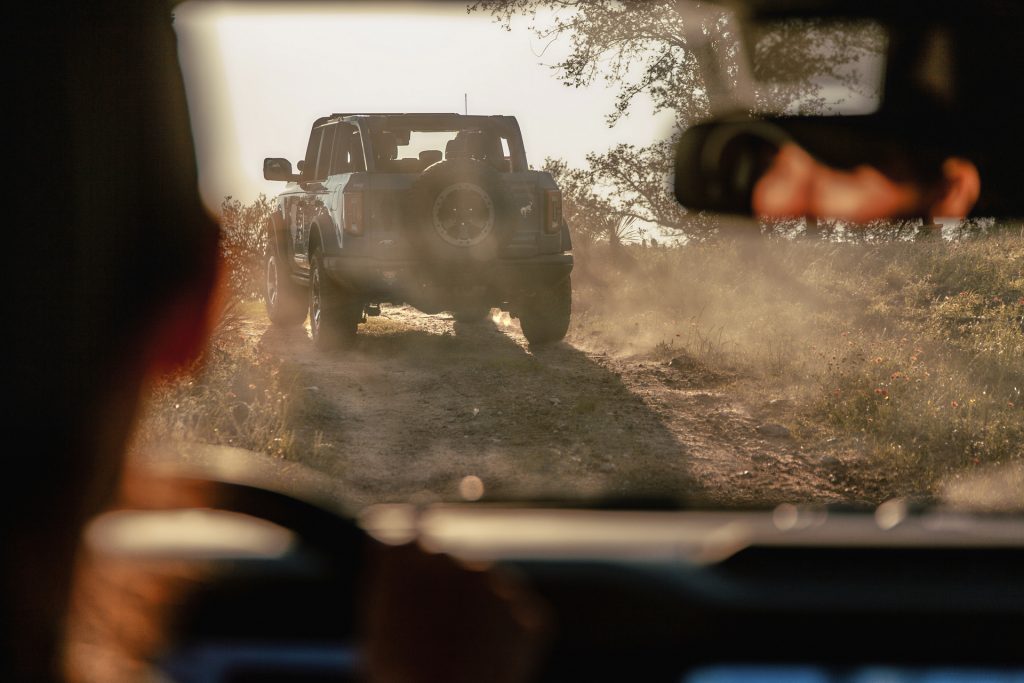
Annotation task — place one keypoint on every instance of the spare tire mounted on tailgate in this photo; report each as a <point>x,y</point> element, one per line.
<point>460,209</point>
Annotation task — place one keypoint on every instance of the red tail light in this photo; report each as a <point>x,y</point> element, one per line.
<point>552,211</point>
<point>355,216</point>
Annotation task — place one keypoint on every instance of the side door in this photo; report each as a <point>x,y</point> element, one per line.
<point>309,203</point>
<point>346,160</point>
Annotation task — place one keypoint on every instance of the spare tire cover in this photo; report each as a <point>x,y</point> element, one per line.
<point>460,209</point>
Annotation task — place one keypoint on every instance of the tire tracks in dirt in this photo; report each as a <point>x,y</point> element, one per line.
<point>419,402</point>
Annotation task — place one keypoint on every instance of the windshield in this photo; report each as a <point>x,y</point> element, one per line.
<point>455,327</point>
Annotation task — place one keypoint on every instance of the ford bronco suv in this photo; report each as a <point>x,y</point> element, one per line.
<point>438,211</point>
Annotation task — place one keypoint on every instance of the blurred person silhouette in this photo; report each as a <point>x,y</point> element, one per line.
<point>116,287</point>
<point>114,284</point>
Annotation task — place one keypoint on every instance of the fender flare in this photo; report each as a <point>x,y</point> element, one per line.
<point>277,235</point>
<point>566,237</point>
<point>322,231</point>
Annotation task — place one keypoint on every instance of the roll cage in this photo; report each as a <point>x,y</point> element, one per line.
<point>371,124</point>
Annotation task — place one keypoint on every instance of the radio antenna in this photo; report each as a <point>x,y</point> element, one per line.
<point>465,102</point>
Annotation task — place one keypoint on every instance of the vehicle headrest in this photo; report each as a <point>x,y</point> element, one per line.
<point>475,145</point>
<point>469,143</point>
<point>431,156</point>
<point>454,149</point>
<point>386,146</point>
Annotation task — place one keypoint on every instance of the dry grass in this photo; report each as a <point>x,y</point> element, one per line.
<point>914,349</point>
<point>234,396</point>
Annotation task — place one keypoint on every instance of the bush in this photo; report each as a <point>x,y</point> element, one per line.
<point>243,243</point>
<point>234,396</point>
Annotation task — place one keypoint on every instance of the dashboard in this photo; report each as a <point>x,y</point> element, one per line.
<point>788,594</point>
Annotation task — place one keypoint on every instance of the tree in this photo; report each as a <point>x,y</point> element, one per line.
<point>683,56</point>
<point>592,216</point>
<point>243,244</point>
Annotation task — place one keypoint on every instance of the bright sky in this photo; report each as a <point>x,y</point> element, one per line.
<point>258,75</point>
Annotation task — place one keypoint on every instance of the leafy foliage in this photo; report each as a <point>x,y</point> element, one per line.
<point>679,56</point>
<point>640,46</point>
<point>637,184</point>
<point>590,215</point>
<point>793,59</point>
<point>243,244</point>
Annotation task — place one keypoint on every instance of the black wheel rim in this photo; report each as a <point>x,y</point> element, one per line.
<point>315,303</point>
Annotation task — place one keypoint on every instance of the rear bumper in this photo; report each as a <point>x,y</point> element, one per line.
<point>405,279</point>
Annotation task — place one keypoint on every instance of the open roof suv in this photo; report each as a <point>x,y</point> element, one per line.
<point>439,211</point>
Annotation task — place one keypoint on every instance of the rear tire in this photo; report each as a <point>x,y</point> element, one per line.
<point>286,301</point>
<point>334,313</point>
<point>544,316</point>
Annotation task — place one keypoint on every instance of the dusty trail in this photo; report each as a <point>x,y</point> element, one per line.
<point>420,402</point>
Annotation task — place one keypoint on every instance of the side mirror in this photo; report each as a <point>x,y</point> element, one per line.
<point>279,169</point>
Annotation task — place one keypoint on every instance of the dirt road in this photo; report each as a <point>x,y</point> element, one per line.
<point>421,402</point>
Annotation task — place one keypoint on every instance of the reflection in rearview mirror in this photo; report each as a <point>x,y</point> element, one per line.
<point>855,169</point>
<point>718,164</point>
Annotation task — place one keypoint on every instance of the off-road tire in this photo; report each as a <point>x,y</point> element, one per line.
<point>544,316</point>
<point>460,210</point>
<point>471,315</point>
<point>334,313</point>
<point>287,303</point>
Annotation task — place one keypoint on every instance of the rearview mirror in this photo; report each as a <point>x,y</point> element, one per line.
<point>718,163</point>
<point>854,168</point>
<point>278,169</point>
<point>402,136</point>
